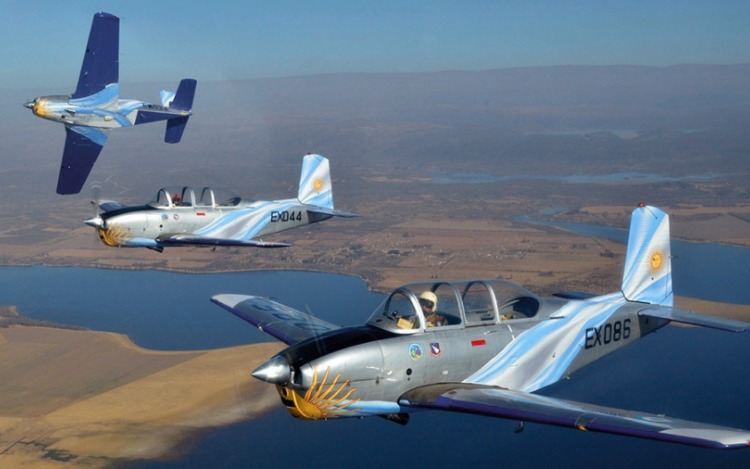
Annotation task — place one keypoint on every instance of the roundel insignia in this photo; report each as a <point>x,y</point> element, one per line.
<point>415,352</point>
<point>317,184</point>
<point>656,260</point>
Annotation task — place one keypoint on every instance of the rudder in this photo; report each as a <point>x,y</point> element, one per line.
<point>647,276</point>
<point>182,100</point>
<point>183,97</point>
<point>315,182</point>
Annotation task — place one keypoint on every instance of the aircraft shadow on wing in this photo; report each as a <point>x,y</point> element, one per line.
<point>95,107</point>
<point>187,216</point>
<point>484,347</point>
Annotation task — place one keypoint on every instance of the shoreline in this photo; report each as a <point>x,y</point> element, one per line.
<point>148,404</point>
<point>110,399</point>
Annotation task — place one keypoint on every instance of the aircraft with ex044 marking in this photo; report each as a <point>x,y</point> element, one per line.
<point>187,216</point>
<point>484,347</point>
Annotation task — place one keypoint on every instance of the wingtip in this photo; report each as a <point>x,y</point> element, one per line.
<point>229,299</point>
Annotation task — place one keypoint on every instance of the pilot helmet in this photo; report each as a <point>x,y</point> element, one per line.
<point>429,300</point>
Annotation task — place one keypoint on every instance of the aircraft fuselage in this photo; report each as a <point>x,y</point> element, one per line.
<point>143,226</point>
<point>109,115</point>
<point>370,367</point>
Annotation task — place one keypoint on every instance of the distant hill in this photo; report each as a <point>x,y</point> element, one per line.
<point>560,98</point>
<point>558,120</point>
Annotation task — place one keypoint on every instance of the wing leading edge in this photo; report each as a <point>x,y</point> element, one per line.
<point>282,322</point>
<point>517,405</point>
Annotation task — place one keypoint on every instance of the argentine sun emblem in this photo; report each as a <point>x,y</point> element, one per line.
<point>656,260</point>
<point>317,184</point>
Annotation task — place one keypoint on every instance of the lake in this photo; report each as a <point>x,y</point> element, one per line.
<point>690,373</point>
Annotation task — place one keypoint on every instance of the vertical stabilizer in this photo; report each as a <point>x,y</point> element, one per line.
<point>315,182</point>
<point>181,100</point>
<point>648,263</point>
<point>183,97</point>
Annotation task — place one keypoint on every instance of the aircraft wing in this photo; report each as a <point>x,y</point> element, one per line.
<point>286,324</point>
<point>82,148</point>
<point>100,62</point>
<point>695,319</point>
<point>517,405</point>
<point>191,240</point>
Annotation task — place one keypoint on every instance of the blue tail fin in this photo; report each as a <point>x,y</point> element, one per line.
<point>648,263</point>
<point>183,98</point>
<point>182,101</point>
<point>315,182</point>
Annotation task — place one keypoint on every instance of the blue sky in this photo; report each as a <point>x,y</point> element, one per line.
<point>43,40</point>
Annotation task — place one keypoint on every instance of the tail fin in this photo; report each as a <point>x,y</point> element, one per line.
<point>648,263</point>
<point>182,100</point>
<point>315,182</point>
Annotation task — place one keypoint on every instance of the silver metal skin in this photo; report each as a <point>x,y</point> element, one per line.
<point>189,216</point>
<point>484,347</point>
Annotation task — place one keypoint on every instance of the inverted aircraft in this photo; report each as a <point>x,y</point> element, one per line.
<point>484,347</point>
<point>191,216</point>
<point>95,107</point>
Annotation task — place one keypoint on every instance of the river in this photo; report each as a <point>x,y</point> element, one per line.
<point>690,373</point>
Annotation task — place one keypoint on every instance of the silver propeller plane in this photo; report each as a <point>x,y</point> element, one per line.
<point>95,108</point>
<point>484,347</point>
<point>188,216</point>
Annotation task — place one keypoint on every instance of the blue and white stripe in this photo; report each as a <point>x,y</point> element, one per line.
<point>644,279</point>
<point>542,355</point>
<point>315,168</point>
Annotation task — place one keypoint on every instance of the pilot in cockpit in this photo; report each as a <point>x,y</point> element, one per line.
<point>176,200</point>
<point>428,301</point>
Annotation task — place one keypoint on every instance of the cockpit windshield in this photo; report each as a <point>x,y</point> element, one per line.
<point>437,305</point>
<point>190,197</point>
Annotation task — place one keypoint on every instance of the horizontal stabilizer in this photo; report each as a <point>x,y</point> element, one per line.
<point>187,240</point>
<point>280,321</point>
<point>175,128</point>
<point>148,115</point>
<point>82,148</point>
<point>517,405</point>
<point>332,212</point>
<point>696,319</point>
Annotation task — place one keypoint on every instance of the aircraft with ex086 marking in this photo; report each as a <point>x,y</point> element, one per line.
<point>484,347</point>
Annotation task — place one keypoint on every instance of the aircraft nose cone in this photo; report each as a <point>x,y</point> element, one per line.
<point>274,371</point>
<point>95,222</point>
<point>29,105</point>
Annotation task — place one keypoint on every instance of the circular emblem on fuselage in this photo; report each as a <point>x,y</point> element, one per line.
<point>415,352</point>
<point>176,216</point>
<point>164,216</point>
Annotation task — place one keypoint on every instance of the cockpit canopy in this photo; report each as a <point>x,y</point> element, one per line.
<point>413,308</point>
<point>194,197</point>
